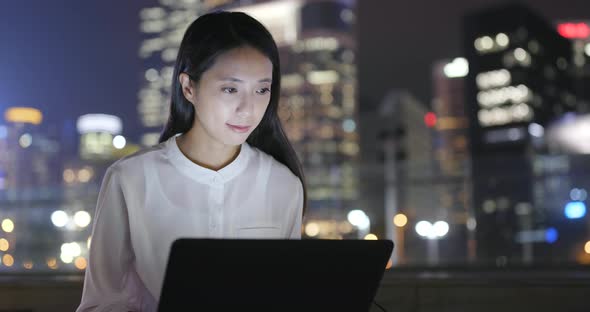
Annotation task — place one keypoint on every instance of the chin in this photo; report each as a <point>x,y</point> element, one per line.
<point>235,141</point>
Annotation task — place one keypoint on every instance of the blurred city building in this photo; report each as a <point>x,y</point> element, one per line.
<point>398,165</point>
<point>30,162</point>
<point>452,156</point>
<point>578,31</point>
<point>30,157</point>
<point>48,191</point>
<point>520,82</point>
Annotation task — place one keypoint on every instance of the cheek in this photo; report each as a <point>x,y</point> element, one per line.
<point>214,114</point>
<point>224,112</point>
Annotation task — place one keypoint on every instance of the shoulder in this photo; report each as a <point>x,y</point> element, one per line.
<point>279,173</point>
<point>136,161</point>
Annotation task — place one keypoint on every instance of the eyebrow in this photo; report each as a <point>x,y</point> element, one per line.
<point>233,79</point>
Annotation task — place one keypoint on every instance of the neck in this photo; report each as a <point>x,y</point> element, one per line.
<point>204,152</point>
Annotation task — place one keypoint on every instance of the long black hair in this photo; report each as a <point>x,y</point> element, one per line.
<point>206,38</point>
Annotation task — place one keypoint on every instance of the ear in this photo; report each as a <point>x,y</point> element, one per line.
<point>187,86</point>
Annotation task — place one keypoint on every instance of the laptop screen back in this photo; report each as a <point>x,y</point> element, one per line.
<point>273,275</point>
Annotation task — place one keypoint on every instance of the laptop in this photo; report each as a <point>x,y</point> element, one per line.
<point>273,275</point>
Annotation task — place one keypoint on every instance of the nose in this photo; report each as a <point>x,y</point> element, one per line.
<point>246,107</point>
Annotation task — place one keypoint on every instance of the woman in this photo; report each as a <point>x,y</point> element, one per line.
<point>223,169</point>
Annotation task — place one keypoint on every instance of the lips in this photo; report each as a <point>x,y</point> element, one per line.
<point>238,128</point>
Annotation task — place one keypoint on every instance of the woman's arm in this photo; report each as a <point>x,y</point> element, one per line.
<point>296,211</point>
<point>110,283</point>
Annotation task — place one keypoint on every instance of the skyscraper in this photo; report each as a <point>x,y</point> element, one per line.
<point>30,176</point>
<point>451,153</point>
<point>451,120</point>
<point>163,27</point>
<point>517,84</point>
<point>578,31</point>
<point>30,158</point>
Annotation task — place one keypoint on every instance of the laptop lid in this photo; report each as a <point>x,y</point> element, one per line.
<point>273,275</point>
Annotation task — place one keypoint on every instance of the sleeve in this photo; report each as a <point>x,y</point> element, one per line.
<point>297,211</point>
<point>109,282</point>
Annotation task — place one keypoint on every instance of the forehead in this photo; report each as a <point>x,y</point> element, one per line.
<point>242,63</point>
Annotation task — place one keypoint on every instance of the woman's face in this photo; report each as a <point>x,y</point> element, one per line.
<point>231,97</point>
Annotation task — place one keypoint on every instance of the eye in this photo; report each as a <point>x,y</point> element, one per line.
<point>263,91</point>
<point>229,90</point>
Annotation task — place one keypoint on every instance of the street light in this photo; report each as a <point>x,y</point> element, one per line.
<point>400,221</point>
<point>440,228</point>
<point>371,237</point>
<point>59,218</point>
<point>119,142</point>
<point>433,233</point>
<point>359,219</point>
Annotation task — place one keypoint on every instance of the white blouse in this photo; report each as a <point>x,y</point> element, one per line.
<point>150,198</point>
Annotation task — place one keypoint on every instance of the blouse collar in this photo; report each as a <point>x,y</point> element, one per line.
<point>206,175</point>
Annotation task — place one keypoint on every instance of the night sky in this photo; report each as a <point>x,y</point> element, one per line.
<point>74,57</point>
<point>69,58</point>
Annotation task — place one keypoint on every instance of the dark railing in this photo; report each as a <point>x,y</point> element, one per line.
<point>532,288</point>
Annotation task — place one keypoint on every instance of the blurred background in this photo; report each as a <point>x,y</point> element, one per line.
<point>460,131</point>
